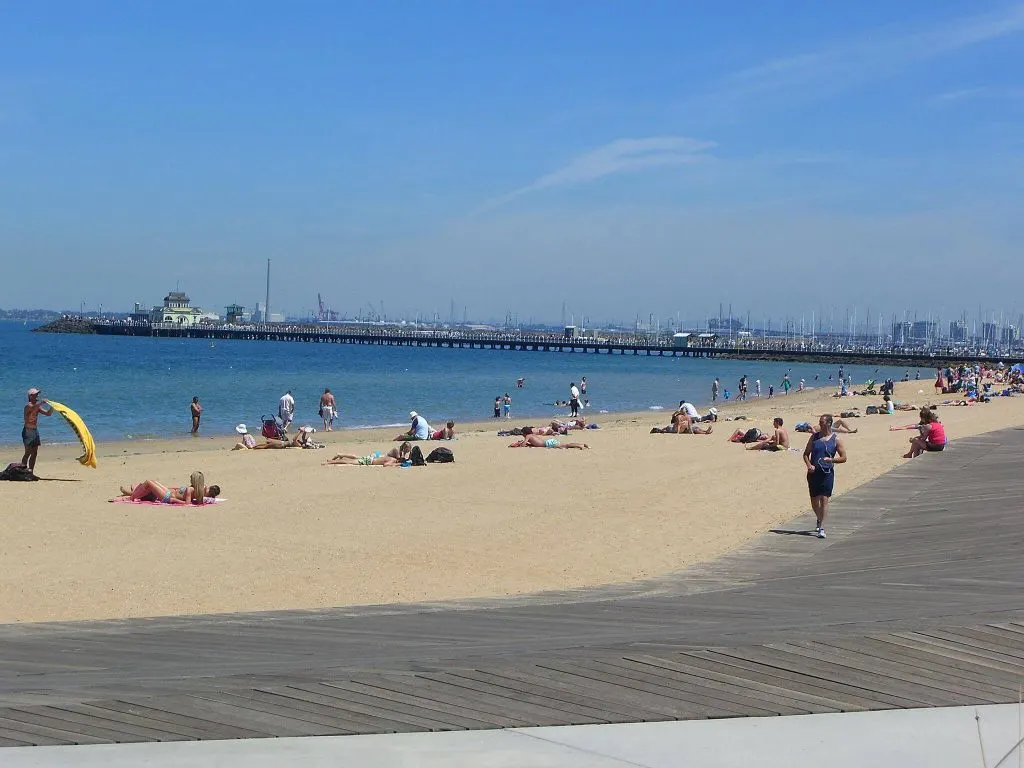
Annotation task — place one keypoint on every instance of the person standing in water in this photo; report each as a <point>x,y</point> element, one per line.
<point>824,450</point>
<point>506,402</point>
<point>197,414</point>
<point>328,409</point>
<point>714,389</point>
<point>30,432</point>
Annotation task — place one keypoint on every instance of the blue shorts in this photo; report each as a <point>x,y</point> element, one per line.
<point>820,483</point>
<point>30,437</point>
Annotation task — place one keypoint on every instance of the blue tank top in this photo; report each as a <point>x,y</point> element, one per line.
<point>820,448</point>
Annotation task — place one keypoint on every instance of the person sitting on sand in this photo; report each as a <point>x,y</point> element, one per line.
<point>448,433</point>
<point>777,441</point>
<point>365,461</point>
<point>401,452</point>
<point>932,437</point>
<point>419,429</point>
<point>534,441</point>
<point>151,490</point>
<point>248,442</point>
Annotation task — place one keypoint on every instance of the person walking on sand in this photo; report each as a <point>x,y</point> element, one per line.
<point>197,413</point>
<point>786,384</point>
<point>715,386</point>
<point>328,409</point>
<point>286,409</point>
<point>30,432</point>
<point>574,399</point>
<point>824,450</point>
<point>507,404</point>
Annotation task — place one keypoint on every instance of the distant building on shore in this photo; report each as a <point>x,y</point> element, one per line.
<point>958,331</point>
<point>177,309</point>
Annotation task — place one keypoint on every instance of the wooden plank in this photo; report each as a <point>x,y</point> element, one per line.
<point>868,686</point>
<point>627,708</point>
<point>715,694</point>
<point>947,668</point>
<point>197,709</point>
<point>60,729</point>
<point>41,736</point>
<point>507,688</point>
<point>382,722</point>
<point>505,713</point>
<point>802,703</point>
<point>180,731</point>
<point>892,671</point>
<point>371,700</point>
<point>519,681</point>
<point>678,705</point>
<point>279,706</point>
<point>206,728</point>
<point>92,723</point>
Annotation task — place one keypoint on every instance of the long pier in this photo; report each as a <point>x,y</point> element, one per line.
<point>700,346</point>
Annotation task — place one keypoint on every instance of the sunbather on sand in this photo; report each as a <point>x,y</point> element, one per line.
<point>298,441</point>
<point>364,461</point>
<point>777,441</point>
<point>534,441</point>
<point>448,433</point>
<point>151,490</point>
<point>843,428</point>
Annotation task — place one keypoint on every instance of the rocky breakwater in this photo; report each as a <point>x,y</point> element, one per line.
<point>67,325</point>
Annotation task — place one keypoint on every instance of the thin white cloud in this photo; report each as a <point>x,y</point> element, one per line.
<point>869,57</point>
<point>619,156</point>
<point>982,92</point>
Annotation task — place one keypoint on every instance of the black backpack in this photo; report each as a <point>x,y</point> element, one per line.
<point>751,436</point>
<point>440,455</point>
<point>416,456</point>
<point>17,472</point>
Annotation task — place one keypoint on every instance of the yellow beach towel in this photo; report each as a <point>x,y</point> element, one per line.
<point>75,421</point>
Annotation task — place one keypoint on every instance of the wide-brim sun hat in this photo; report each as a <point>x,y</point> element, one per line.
<point>307,428</point>
<point>241,429</point>
<point>714,411</point>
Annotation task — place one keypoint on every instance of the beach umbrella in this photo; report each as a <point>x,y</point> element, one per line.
<point>88,458</point>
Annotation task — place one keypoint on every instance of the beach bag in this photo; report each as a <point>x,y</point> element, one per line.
<point>416,457</point>
<point>17,472</point>
<point>751,435</point>
<point>871,410</point>
<point>440,456</point>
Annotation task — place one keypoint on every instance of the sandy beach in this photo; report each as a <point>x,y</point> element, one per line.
<point>296,534</point>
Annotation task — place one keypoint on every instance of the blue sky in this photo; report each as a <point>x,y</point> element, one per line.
<point>623,157</point>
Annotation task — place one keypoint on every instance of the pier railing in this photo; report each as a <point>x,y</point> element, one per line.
<point>607,343</point>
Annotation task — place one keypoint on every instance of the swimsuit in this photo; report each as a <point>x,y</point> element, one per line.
<point>30,437</point>
<point>366,461</point>
<point>551,443</point>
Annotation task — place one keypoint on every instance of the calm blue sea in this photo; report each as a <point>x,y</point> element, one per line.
<point>140,388</point>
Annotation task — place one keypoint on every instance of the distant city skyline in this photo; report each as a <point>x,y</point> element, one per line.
<point>626,159</point>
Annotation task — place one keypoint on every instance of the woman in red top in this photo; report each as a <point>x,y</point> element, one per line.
<point>932,437</point>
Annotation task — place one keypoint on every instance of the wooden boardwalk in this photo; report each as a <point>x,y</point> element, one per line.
<point>915,599</point>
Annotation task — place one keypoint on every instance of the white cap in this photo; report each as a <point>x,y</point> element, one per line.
<point>33,391</point>
<point>412,414</point>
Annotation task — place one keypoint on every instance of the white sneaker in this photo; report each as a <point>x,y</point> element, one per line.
<point>821,533</point>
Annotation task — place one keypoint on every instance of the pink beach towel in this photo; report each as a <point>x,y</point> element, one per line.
<point>127,500</point>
